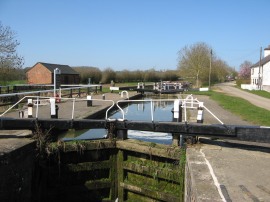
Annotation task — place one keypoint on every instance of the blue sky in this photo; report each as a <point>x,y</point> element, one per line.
<point>135,34</point>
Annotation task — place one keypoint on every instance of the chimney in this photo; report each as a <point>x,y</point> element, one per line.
<point>267,51</point>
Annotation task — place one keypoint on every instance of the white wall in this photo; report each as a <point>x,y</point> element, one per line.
<point>254,75</point>
<point>266,74</point>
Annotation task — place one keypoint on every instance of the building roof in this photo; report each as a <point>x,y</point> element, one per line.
<point>263,61</point>
<point>65,69</point>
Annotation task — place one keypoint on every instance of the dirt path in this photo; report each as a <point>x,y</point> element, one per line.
<point>228,88</point>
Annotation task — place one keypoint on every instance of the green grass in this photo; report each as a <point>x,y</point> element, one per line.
<point>261,93</point>
<point>13,82</point>
<point>241,107</point>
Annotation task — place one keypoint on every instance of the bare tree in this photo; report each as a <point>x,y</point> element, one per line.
<point>194,61</point>
<point>9,59</point>
<point>108,75</point>
<point>87,72</point>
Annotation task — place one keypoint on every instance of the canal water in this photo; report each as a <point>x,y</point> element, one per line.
<point>137,111</point>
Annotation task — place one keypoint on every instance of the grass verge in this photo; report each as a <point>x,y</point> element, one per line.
<point>261,93</point>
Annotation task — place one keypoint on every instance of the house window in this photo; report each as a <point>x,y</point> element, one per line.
<point>252,71</point>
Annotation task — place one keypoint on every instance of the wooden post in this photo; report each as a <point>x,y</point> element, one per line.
<point>14,89</point>
<point>16,99</point>
<point>70,94</point>
<point>121,134</point>
<point>113,176</point>
<point>121,177</point>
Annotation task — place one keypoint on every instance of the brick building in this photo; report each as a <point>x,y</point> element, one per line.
<point>43,73</point>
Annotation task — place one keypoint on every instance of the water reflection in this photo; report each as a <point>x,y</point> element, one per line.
<point>135,111</point>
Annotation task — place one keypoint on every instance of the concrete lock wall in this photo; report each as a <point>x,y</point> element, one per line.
<point>199,184</point>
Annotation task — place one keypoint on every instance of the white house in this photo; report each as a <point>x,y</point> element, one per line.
<point>260,73</point>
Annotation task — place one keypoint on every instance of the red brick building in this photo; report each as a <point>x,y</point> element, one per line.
<point>43,73</point>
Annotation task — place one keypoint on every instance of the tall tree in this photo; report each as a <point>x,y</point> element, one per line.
<point>194,61</point>
<point>10,61</point>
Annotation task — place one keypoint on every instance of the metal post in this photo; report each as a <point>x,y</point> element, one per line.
<point>259,74</point>
<point>210,69</point>
<point>56,80</point>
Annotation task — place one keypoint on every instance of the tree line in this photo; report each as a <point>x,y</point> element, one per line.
<point>108,75</point>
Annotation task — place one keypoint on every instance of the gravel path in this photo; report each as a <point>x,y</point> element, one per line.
<point>228,88</point>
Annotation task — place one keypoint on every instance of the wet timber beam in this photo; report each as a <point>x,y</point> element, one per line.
<point>245,133</point>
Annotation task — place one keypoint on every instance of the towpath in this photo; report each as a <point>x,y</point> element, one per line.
<point>229,88</point>
<point>226,170</point>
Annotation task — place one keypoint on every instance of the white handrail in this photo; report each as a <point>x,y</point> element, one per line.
<point>187,103</point>
<point>38,98</point>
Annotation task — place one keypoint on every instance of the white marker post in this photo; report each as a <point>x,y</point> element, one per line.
<point>177,117</point>
<point>89,101</point>
<point>200,113</point>
<point>30,108</point>
<point>53,108</point>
